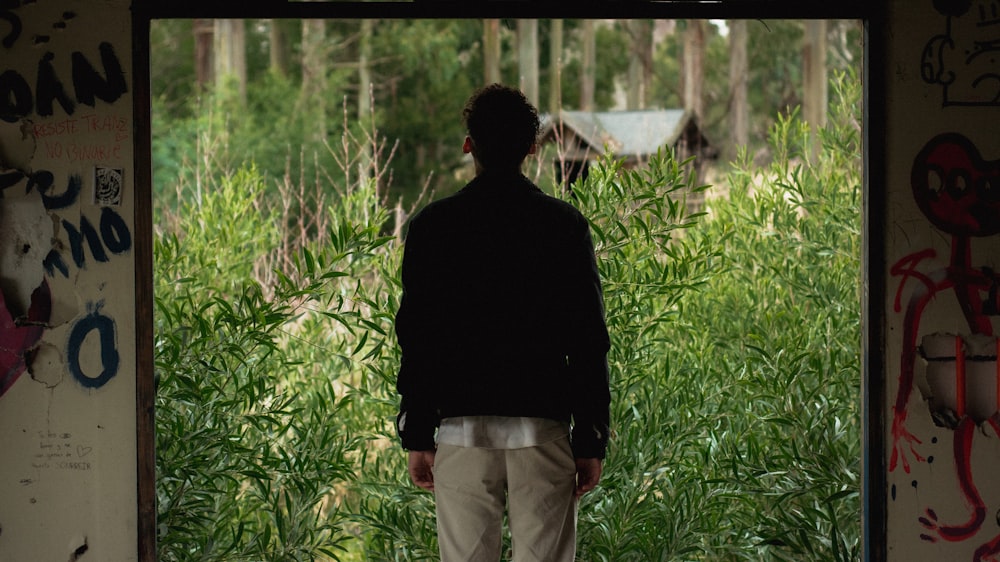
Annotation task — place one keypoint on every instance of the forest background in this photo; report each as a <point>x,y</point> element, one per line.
<point>288,155</point>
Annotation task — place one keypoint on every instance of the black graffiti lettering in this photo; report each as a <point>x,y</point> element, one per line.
<point>43,180</point>
<point>88,81</point>
<point>8,179</point>
<point>15,96</point>
<point>55,261</point>
<point>105,327</point>
<point>76,238</point>
<point>15,28</point>
<point>49,88</point>
<point>111,234</point>
<point>17,102</point>
<point>115,232</point>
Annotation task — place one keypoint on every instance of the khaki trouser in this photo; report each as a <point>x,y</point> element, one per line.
<point>470,485</point>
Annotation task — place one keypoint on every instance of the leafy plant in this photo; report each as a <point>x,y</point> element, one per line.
<point>775,337</point>
<point>652,257</point>
<point>735,363</point>
<point>254,444</point>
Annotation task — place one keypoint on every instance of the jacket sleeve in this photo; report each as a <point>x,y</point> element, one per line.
<point>589,344</point>
<point>417,418</point>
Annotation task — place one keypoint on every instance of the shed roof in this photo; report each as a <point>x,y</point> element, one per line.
<point>627,133</point>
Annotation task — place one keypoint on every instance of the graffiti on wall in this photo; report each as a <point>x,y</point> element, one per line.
<point>19,337</point>
<point>54,106</point>
<point>964,60</point>
<point>956,190</point>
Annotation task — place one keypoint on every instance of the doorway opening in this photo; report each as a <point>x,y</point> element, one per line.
<point>279,209</point>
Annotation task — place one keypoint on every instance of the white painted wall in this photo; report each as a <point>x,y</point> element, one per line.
<point>67,365</point>
<point>942,261</point>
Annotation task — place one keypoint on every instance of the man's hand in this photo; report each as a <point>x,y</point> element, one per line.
<point>421,465</point>
<point>588,474</point>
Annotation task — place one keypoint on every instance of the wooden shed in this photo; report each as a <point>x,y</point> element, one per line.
<point>585,136</point>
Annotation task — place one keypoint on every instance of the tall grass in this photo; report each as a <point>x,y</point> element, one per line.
<point>734,364</point>
<point>768,351</point>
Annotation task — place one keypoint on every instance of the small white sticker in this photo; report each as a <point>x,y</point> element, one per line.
<point>109,184</point>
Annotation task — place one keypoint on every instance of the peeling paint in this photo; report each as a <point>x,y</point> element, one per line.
<point>26,234</point>
<point>19,336</point>
<point>19,144</point>
<point>47,366</point>
<point>66,249</point>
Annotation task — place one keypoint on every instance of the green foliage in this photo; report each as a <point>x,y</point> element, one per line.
<point>777,55</point>
<point>735,364</point>
<point>430,67</point>
<point>611,49</point>
<point>777,334</point>
<point>254,440</point>
<point>172,57</point>
<point>272,133</point>
<point>652,258</point>
<point>667,89</point>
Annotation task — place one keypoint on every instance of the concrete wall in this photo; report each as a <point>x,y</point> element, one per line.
<point>67,274</point>
<point>942,275</point>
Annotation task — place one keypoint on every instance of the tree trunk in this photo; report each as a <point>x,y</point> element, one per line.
<point>739,109</point>
<point>814,98</point>
<point>231,55</point>
<point>555,66</point>
<point>364,99</point>
<point>588,70</point>
<point>694,101</point>
<point>640,63</point>
<point>491,51</point>
<point>839,46</point>
<point>527,58</point>
<point>314,71</point>
<point>694,67</point>
<point>279,47</point>
<point>364,69</point>
<point>204,62</point>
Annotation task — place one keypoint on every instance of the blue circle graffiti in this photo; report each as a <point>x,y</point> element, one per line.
<point>105,328</point>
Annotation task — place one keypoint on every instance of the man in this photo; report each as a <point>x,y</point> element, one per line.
<point>504,346</point>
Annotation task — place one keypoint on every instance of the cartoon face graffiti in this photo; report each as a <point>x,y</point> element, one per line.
<point>956,188</point>
<point>959,193</point>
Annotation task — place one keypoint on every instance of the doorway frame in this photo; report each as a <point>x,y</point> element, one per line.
<point>872,15</point>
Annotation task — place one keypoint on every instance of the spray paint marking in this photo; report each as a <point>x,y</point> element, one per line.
<point>105,328</point>
<point>963,60</point>
<point>17,101</point>
<point>953,185</point>
<point>114,234</point>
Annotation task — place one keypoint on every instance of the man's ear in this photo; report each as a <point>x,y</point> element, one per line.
<point>467,145</point>
<point>533,148</point>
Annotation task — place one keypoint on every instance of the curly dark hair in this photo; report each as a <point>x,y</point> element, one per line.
<point>502,124</point>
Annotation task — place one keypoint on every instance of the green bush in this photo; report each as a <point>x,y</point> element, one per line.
<point>772,342</point>
<point>735,366</point>
<point>254,444</point>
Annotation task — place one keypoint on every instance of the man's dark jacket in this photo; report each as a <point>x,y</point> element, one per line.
<point>502,314</point>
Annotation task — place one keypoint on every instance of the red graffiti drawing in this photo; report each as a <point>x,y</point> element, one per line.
<point>959,192</point>
<point>19,336</point>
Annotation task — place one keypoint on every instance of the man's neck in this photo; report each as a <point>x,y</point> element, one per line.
<point>499,172</point>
